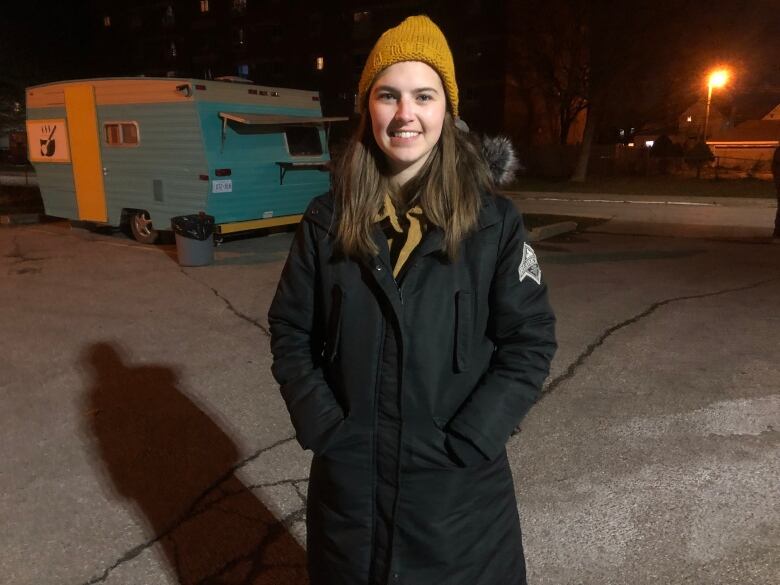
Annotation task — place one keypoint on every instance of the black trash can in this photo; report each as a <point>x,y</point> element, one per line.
<point>194,239</point>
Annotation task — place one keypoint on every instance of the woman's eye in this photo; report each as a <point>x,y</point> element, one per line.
<point>424,97</point>
<point>386,96</point>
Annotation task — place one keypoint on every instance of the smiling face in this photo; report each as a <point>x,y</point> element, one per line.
<point>407,104</point>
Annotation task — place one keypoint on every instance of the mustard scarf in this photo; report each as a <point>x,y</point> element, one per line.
<point>403,232</point>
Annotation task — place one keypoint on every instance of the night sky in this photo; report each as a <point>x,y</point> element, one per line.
<point>42,40</point>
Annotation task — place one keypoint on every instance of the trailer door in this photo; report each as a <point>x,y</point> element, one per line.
<point>85,152</point>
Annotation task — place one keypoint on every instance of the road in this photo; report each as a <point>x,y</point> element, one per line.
<point>143,440</point>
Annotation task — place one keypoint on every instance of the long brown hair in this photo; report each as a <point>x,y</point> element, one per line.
<point>447,187</point>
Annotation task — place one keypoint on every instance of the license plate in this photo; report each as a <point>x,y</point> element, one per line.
<point>222,186</point>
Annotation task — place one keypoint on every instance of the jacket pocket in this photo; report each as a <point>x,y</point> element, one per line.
<point>463,333</point>
<point>429,450</point>
<point>334,324</point>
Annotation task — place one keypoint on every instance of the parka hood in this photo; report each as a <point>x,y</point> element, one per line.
<point>501,158</point>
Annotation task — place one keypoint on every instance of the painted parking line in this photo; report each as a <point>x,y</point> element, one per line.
<point>566,200</point>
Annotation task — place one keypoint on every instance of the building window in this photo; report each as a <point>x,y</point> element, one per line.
<point>243,70</point>
<point>172,49</point>
<point>315,25</point>
<point>690,119</point>
<point>168,18</point>
<point>121,133</point>
<point>204,5</point>
<point>320,64</point>
<point>239,6</point>
<point>361,28</point>
<point>106,21</point>
<point>240,36</point>
<point>303,141</point>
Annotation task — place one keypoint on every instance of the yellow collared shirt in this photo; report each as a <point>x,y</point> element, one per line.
<point>403,232</point>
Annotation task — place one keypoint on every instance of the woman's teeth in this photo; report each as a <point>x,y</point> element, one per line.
<point>405,134</point>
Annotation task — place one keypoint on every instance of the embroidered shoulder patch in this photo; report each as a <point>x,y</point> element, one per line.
<point>529,265</point>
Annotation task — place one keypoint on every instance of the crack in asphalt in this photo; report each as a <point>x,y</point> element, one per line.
<point>275,531</point>
<point>229,305</point>
<point>227,494</point>
<point>193,511</point>
<point>19,256</point>
<point>300,492</point>
<point>571,371</point>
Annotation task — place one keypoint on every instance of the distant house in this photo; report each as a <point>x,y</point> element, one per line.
<point>774,114</point>
<point>748,146</point>
<point>690,123</point>
<point>726,113</point>
<point>688,128</point>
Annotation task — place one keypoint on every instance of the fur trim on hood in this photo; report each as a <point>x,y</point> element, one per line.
<point>501,158</point>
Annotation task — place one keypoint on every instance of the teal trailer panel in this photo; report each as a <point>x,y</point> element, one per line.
<point>161,174</point>
<point>251,154</point>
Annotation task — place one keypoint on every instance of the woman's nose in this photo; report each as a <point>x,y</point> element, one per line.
<point>403,110</point>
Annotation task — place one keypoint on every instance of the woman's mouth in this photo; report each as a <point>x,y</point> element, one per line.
<point>404,134</point>
<point>404,137</point>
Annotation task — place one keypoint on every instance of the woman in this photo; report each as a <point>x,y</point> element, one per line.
<point>411,332</point>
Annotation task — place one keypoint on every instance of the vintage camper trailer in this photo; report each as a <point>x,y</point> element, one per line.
<point>135,152</point>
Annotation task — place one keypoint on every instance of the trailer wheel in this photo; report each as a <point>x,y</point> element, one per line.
<point>141,227</point>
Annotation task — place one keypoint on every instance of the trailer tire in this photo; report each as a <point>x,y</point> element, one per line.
<point>140,225</point>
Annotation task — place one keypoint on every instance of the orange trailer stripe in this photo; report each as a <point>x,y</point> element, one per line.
<point>85,152</point>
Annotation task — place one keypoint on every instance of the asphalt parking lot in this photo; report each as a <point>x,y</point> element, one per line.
<point>144,441</point>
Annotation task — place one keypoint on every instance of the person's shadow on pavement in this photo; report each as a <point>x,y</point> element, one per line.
<point>162,452</point>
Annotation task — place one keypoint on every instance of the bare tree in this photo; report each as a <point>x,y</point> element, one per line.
<point>550,58</point>
<point>623,63</point>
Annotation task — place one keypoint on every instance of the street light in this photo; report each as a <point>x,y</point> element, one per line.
<point>717,79</point>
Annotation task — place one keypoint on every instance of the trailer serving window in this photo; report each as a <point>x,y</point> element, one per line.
<point>303,140</point>
<point>301,133</point>
<point>121,133</point>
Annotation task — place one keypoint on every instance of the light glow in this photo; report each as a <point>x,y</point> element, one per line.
<point>718,78</point>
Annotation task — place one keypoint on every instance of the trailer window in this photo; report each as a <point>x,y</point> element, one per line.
<point>129,134</point>
<point>303,140</point>
<point>121,133</point>
<point>112,134</point>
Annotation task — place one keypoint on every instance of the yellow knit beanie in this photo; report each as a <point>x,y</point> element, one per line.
<point>416,39</point>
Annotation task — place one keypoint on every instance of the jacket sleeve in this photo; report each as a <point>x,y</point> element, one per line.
<point>296,344</point>
<point>522,327</point>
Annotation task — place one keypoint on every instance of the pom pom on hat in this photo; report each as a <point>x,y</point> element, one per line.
<point>416,39</point>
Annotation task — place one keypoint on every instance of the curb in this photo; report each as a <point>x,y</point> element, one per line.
<point>639,199</point>
<point>19,180</point>
<point>684,230</point>
<point>20,218</point>
<point>551,230</point>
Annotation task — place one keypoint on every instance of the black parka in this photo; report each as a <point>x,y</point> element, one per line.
<point>407,391</point>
